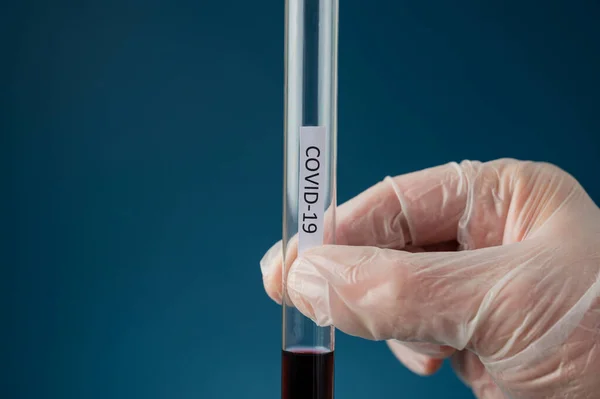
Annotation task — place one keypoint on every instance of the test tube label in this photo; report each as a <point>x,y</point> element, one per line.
<point>313,158</point>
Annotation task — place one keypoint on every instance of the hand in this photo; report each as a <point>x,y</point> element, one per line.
<point>495,265</point>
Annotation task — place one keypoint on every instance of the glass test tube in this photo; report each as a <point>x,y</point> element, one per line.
<point>311,34</point>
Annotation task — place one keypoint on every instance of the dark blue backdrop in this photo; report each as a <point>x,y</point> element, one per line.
<point>141,150</point>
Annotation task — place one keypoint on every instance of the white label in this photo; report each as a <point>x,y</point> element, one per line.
<point>311,208</point>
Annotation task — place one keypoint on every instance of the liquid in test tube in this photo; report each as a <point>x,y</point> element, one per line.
<point>310,145</point>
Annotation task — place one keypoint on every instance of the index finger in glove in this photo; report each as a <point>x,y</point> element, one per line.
<point>416,209</point>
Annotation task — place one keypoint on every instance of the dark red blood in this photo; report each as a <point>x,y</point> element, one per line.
<point>307,375</point>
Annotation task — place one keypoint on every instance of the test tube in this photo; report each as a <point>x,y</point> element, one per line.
<point>309,200</point>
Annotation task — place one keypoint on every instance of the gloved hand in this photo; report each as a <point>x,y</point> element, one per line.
<point>494,264</point>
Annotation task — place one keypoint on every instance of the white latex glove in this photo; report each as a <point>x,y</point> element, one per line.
<point>515,302</point>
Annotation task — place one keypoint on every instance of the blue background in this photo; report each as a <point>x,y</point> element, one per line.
<point>141,154</point>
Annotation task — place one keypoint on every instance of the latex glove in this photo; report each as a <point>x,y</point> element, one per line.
<point>519,301</point>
